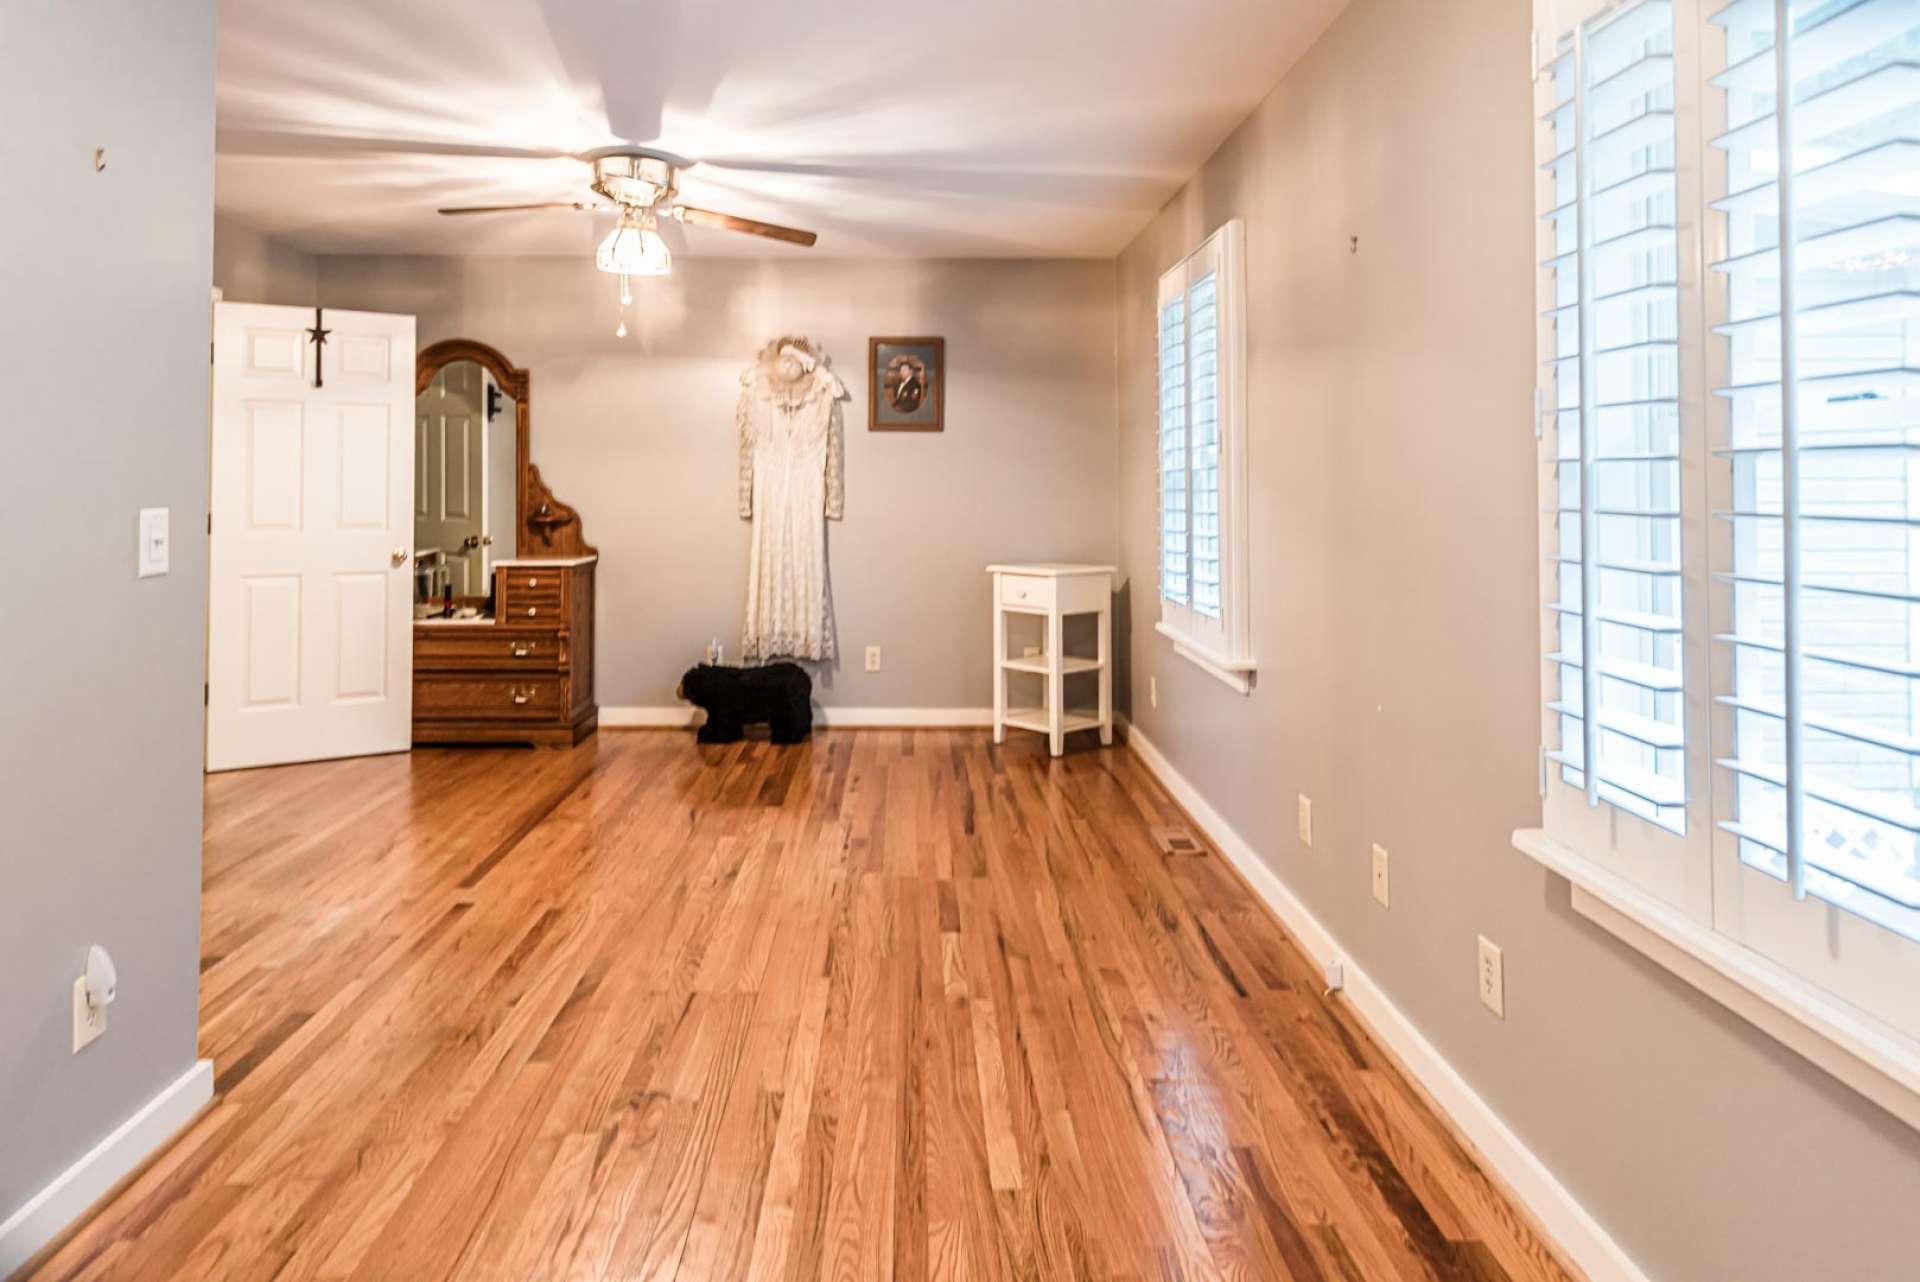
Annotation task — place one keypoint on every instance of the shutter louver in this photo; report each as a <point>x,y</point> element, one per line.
<point>1822,336</point>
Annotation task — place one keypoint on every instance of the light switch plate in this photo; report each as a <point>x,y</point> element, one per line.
<point>89,1021</point>
<point>1380,888</point>
<point>156,542</point>
<point>1306,821</point>
<point>1493,977</point>
<point>873,658</point>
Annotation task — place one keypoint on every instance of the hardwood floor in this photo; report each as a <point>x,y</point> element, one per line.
<point>895,1004</point>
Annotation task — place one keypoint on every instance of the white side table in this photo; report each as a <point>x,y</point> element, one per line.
<point>1052,590</point>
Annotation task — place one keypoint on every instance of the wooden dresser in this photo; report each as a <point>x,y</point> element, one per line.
<point>522,676</point>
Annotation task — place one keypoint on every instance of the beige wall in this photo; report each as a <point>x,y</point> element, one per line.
<point>251,267</point>
<point>638,434</point>
<point>1397,625</point>
<point>103,357</point>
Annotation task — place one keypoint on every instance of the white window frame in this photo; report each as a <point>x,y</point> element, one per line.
<point>1837,988</point>
<point>1221,647</point>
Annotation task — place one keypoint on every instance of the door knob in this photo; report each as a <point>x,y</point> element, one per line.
<point>399,556</point>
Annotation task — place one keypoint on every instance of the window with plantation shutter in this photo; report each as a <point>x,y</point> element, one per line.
<point>1614,375</point>
<point>1819,558</point>
<point>1730,450</point>
<point>1203,567</point>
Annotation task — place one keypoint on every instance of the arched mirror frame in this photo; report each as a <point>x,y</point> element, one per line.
<point>547,527</point>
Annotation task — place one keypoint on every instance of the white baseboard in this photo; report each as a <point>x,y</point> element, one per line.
<point>1578,1236</point>
<point>680,716</point>
<point>78,1187</point>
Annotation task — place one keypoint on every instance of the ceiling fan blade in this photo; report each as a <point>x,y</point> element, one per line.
<point>753,227</point>
<point>549,204</point>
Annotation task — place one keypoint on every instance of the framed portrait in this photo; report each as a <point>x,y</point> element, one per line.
<point>906,384</point>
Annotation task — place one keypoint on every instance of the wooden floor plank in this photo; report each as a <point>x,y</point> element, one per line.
<point>889,1004</point>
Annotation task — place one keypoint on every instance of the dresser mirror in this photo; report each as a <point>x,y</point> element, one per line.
<point>466,475</point>
<point>512,660</point>
<point>478,497</point>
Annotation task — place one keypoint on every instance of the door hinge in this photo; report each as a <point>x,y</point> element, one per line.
<point>209,523</point>
<point>1543,772</point>
<point>206,694</point>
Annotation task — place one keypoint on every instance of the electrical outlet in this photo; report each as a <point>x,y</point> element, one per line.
<point>1380,890</point>
<point>89,1021</point>
<point>1493,977</point>
<point>1306,821</point>
<point>1153,692</point>
<point>873,658</point>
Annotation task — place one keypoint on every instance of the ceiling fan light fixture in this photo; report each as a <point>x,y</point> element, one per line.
<point>634,248</point>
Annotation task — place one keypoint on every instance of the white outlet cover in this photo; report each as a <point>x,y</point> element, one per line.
<point>1380,879</point>
<point>1493,977</point>
<point>873,658</point>
<point>1306,821</point>
<point>89,1021</point>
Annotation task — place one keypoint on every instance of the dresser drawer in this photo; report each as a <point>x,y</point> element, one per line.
<point>517,578</point>
<point>451,698</point>
<point>486,647</point>
<point>1026,590</point>
<point>538,612</point>
<point>536,596</point>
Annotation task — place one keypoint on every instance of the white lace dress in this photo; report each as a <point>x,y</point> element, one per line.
<point>790,482</point>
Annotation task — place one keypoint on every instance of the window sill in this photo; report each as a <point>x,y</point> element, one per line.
<point>1867,1055</point>
<point>1235,673</point>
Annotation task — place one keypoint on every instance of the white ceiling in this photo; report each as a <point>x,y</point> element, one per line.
<point>992,128</point>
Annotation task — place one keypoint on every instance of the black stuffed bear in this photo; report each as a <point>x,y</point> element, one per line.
<point>780,694</point>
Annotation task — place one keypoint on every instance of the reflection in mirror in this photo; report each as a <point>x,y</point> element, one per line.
<point>464,474</point>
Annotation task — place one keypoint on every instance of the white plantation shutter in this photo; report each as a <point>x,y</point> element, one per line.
<point>1730,446</point>
<point>1819,646</point>
<point>1175,560</point>
<point>1202,450</point>
<point>1611,294</point>
<point>1203,417</point>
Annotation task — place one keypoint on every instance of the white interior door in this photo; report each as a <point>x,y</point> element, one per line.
<point>310,634</point>
<point>450,489</point>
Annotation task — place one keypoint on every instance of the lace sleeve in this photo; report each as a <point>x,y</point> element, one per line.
<point>836,468</point>
<point>743,417</point>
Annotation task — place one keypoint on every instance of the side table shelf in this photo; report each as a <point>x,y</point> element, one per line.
<point>1051,591</point>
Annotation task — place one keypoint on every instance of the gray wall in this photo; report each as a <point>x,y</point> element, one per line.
<point>103,361</point>
<point>1397,626</point>
<point>250,266</point>
<point>638,434</point>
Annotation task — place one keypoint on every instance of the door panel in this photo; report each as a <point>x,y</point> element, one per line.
<point>275,449</point>
<point>366,452</point>
<point>272,659</point>
<point>309,634</point>
<point>360,636</point>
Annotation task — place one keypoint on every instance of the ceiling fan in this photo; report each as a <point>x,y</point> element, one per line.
<point>642,186</point>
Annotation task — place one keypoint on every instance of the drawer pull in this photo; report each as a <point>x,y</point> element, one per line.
<point>521,696</point>
<point>522,651</point>
<point>533,583</point>
<point>532,610</point>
